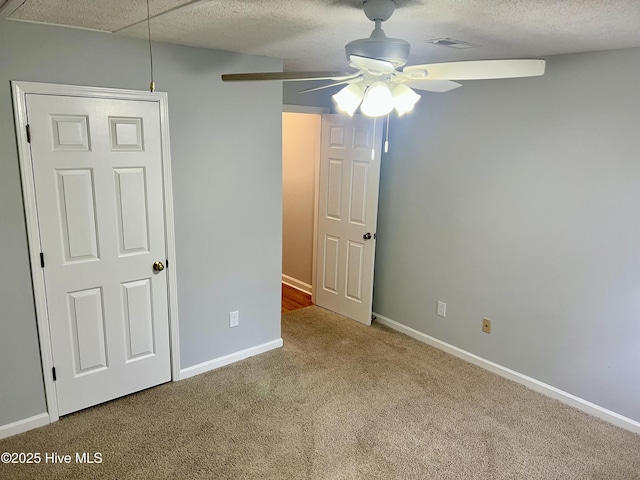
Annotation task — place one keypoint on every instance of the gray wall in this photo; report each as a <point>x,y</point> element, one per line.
<point>519,201</point>
<point>227,177</point>
<point>320,98</point>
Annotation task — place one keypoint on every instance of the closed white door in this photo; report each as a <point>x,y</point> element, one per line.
<point>97,166</point>
<point>348,211</point>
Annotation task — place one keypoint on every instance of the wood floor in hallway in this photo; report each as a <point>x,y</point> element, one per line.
<point>294,299</point>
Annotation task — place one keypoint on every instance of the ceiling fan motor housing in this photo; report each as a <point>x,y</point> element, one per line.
<point>379,9</point>
<point>378,45</point>
<point>392,50</point>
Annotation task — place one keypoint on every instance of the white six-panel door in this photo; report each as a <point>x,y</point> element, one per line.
<point>97,167</point>
<point>348,211</point>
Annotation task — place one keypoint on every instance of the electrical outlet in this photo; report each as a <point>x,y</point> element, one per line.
<point>486,325</point>
<point>234,319</point>
<point>442,309</point>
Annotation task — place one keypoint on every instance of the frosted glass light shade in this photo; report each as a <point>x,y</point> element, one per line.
<point>404,99</point>
<point>378,100</point>
<point>349,98</point>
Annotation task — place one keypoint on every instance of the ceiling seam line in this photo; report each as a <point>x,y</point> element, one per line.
<point>4,10</point>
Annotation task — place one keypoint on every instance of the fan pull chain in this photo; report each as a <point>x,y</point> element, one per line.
<point>386,142</point>
<point>373,150</point>
<point>152,85</point>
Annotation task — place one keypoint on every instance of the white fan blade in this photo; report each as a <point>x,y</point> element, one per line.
<point>288,76</point>
<point>477,69</point>
<point>330,85</point>
<point>438,86</point>
<point>371,65</point>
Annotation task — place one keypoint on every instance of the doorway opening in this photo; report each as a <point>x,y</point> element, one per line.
<point>331,171</point>
<point>301,133</point>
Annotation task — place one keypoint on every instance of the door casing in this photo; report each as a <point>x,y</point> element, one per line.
<point>320,111</point>
<point>19,91</point>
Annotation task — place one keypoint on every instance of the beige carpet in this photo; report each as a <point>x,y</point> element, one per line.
<point>339,401</point>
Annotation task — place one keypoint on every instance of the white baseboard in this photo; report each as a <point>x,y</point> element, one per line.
<point>21,426</point>
<point>297,284</point>
<point>228,359</point>
<point>532,383</point>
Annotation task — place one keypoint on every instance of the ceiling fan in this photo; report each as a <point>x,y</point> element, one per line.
<point>382,84</point>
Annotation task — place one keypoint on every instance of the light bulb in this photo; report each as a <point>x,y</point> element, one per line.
<point>378,100</point>
<point>349,98</point>
<point>404,99</point>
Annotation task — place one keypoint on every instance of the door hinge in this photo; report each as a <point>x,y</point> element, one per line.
<point>42,259</point>
<point>53,371</point>
<point>28,133</point>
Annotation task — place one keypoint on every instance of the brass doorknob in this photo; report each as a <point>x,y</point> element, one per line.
<point>367,236</point>
<point>158,266</point>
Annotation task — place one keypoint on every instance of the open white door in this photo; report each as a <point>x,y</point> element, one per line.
<point>97,172</point>
<point>347,214</point>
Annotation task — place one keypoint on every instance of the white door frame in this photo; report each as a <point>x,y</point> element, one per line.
<point>316,185</point>
<point>20,90</point>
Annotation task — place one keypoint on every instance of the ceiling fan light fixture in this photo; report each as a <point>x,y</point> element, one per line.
<point>404,99</point>
<point>349,98</point>
<point>378,100</point>
<point>384,82</point>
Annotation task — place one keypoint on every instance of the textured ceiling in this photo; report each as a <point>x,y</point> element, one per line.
<point>311,34</point>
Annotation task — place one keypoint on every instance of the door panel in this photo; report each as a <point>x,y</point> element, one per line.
<point>97,166</point>
<point>70,133</point>
<point>77,215</point>
<point>348,208</point>
<point>331,256</point>
<point>358,200</point>
<point>87,327</point>
<point>130,184</point>
<point>334,189</point>
<point>138,317</point>
<point>355,267</point>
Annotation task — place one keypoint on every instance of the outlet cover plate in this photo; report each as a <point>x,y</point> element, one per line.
<point>442,309</point>
<point>486,325</point>
<point>234,319</point>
